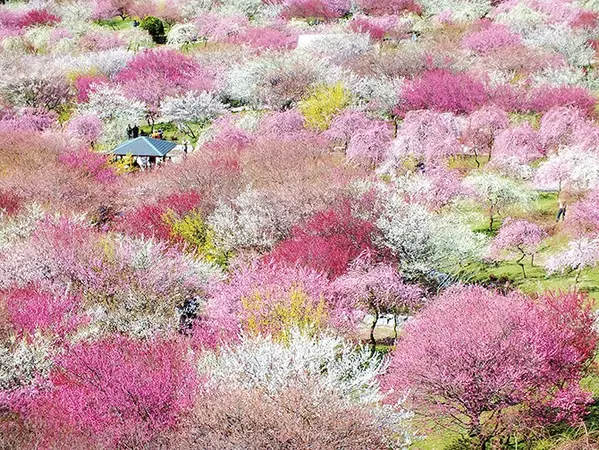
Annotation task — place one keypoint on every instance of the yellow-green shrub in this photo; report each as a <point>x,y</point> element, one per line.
<point>321,106</point>
<point>194,232</point>
<point>279,316</point>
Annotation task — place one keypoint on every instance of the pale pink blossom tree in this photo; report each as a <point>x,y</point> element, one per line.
<point>482,127</point>
<point>378,288</point>
<point>520,238</point>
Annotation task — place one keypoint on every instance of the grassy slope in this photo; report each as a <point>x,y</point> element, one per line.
<point>542,212</point>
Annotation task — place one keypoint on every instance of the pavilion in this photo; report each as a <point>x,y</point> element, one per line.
<point>146,150</point>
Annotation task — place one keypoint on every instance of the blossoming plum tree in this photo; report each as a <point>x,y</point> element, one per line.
<point>474,359</point>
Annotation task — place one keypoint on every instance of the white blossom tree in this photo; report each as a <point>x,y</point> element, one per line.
<point>193,108</point>
<point>498,193</point>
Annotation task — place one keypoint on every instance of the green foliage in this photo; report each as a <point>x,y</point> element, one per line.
<point>192,229</point>
<point>323,104</point>
<point>462,443</point>
<point>155,27</point>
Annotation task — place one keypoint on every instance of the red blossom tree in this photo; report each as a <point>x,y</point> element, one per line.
<point>328,242</point>
<point>32,309</point>
<point>151,220</point>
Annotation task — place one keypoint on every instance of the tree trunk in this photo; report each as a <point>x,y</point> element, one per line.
<point>395,326</point>
<point>491,221</point>
<point>372,328</point>
<point>521,264</point>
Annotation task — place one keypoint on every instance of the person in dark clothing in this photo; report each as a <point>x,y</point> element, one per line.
<point>561,211</point>
<point>135,131</point>
<point>129,131</point>
<point>188,312</point>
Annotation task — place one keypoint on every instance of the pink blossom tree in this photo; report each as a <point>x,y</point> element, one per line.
<point>474,359</point>
<point>442,91</point>
<point>516,146</point>
<point>428,137</point>
<point>154,75</point>
<point>391,7</point>
<point>273,299</point>
<point>377,288</point>
<point>370,145</point>
<point>583,216</point>
<point>518,237</point>
<point>561,127</point>
<point>490,37</point>
<point>481,129</point>
<point>321,10</point>
<point>116,392</point>
<point>88,128</point>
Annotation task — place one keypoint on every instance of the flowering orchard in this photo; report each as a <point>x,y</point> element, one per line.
<point>299,224</point>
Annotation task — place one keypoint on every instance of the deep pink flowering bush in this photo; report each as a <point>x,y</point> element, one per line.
<point>316,9</point>
<point>377,27</point>
<point>90,163</point>
<point>84,84</point>
<point>391,7</point>
<point>442,91</point>
<point>36,17</point>
<point>153,75</point>
<point>545,98</point>
<point>31,309</point>
<point>27,119</point>
<point>328,242</point>
<point>490,37</point>
<point>10,203</point>
<point>116,392</point>
<point>479,358</point>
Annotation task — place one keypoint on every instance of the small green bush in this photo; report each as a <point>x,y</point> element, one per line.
<point>155,27</point>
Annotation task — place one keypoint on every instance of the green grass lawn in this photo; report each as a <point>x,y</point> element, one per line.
<point>117,23</point>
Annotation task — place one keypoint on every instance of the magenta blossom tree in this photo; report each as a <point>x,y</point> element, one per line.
<point>442,91</point>
<point>117,392</point>
<point>520,238</point>
<point>484,362</point>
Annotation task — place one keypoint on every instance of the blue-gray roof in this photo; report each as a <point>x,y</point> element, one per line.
<point>144,146</point>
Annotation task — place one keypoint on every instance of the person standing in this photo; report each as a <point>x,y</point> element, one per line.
<point>561,211</point>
